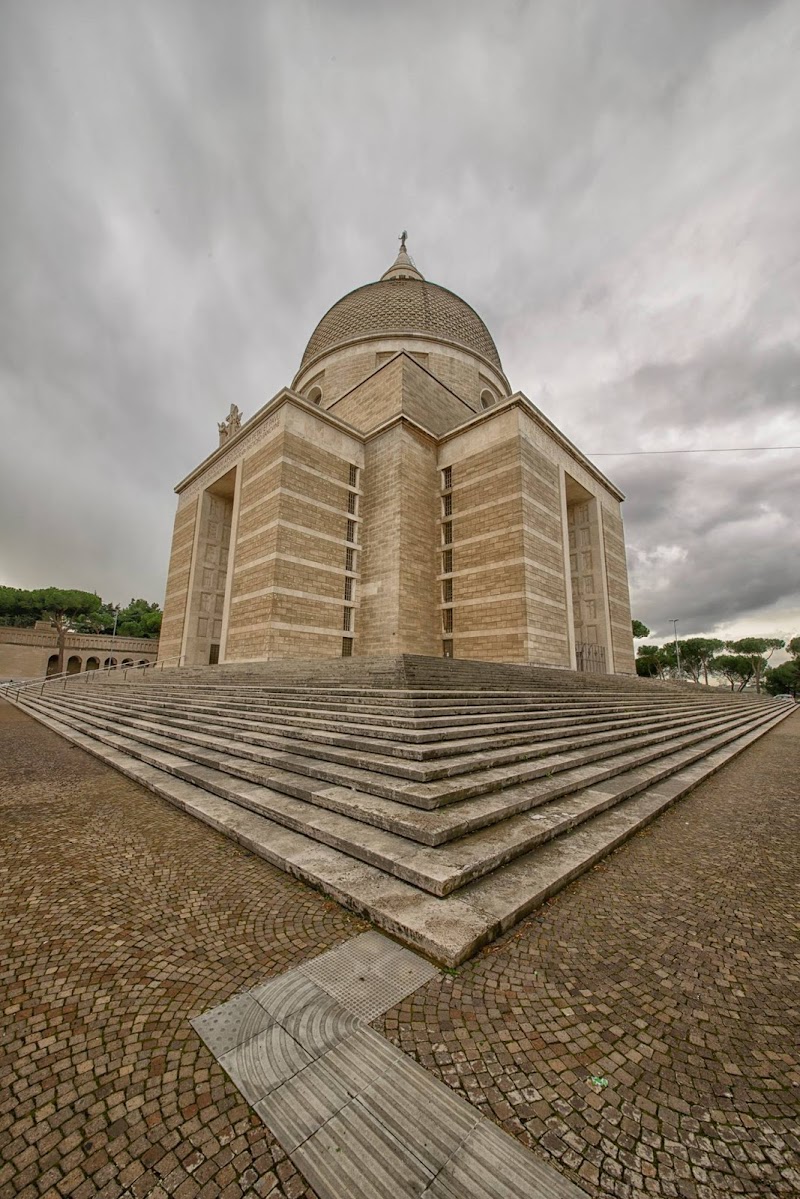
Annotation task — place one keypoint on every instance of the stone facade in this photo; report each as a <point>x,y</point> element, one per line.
<point>399,499</point>
<point>33,653</point>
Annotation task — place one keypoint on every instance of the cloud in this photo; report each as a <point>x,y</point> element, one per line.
<point>186,188</point>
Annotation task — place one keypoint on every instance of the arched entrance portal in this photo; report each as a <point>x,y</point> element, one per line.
<point>74,665</point>
<point>92,663</point>
<point>52,665</point>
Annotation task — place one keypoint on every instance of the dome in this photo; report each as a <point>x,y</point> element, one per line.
<point>402,303</point>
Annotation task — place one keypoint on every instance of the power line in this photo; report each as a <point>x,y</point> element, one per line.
<point>740,449</point>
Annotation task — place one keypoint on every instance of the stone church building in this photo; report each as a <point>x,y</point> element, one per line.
<point>398,498</point>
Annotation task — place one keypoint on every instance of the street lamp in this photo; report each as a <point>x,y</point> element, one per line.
<point>677,647</point>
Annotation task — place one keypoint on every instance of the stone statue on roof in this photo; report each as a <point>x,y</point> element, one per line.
<point>231,425</point>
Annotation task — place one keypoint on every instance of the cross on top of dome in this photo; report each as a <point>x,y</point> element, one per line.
<point>403,266</point>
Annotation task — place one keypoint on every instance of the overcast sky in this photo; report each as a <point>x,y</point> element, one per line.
<point>185,188</point>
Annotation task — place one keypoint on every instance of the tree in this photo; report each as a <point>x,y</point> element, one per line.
<point>139,619</point>
<point>639,629</point>
<point>697,655</point>
<point>793,647</point>
<point>759,650</point>
<point>651,662</point>
<point>736,668</point>
<point>67,611</point>
<point>783,679</point>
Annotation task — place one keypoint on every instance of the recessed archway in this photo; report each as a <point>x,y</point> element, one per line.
<point>52,664</point>
<point>92,664</point>
<point>74,665</point>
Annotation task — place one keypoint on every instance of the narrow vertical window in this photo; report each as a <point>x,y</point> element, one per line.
<point>447,478</point>
<point>351,530</point>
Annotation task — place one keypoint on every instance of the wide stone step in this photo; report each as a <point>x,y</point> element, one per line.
<point>441,717</point>
<point>409,730</point>
<point>353,792</point>
<point>439,870</point>
<point>419,700</point>
<point>450,928</point>
<point>394,743</point>
<point>496,769</point>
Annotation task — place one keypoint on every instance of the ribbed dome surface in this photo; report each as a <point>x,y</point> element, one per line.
<point>402,306</point>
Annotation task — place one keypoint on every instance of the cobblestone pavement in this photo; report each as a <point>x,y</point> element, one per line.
<point>121,918</point>
<point>669,972</point>
<point>666,972</point>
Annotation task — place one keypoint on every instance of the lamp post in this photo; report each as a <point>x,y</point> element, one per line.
<point>113,635</point>
<point>677,647</point>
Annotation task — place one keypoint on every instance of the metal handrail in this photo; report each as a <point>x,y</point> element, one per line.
<point>64,676</point>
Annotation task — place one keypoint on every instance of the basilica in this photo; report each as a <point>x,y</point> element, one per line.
<point>398,498</point>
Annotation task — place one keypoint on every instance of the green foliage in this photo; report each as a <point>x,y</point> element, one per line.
<point>783,679</point>
<point>73,611</point>
<point>793,647</point>
<point>139,619</point>
<point>758,650</point>
<point>651,662</point>
<point>736,668</point>
<point>26,607</point>
<point>697,656</point>
<point>639,629</point>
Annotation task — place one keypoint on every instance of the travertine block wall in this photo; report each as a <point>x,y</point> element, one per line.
<point>379,592</point>
<point>588,602</point>
<point>399,606</point>
<point>618,594</point>
<point>288,581</point>
<point>177,594</point>
<point>547,641</point>
<point>340,536</point>
<point>489,606</point>
<point>402,386</point>
<point>343,369</point>
<point>207,588</point>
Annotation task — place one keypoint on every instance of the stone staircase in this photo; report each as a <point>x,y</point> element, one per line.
<point>442,814</point>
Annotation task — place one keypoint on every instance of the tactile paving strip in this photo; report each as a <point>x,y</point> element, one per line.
<point>369,974</point>
<point>359,1118</point>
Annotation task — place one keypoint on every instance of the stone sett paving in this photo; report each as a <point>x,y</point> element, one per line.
<point>120,918</point>
<point>670,971</point>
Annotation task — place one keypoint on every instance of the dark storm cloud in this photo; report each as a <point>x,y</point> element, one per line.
<point>186,187</point>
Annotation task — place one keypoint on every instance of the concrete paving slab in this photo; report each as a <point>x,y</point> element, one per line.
<point>370,974</point>
<point>425,1116</point>
<point>287,994</point>
<point>354,1156</point>
<point>226,1026</point>
<point>321,1025</point>
<point>297,1108</point>
<point>490,1165</point>
<point>261,1064</point>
